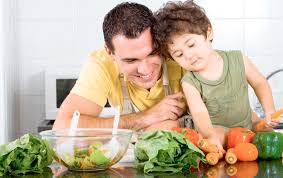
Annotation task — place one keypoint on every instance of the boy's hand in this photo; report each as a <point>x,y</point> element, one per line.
<point>271,122</point>
<point>214,139</point>
<point>264,125</point>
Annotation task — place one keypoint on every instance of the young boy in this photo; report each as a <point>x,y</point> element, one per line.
<point>216,82</point>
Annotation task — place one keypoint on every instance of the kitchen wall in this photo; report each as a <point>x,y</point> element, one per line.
<point>8,72</point>
<point>63,32</point>
<point>2,102</point>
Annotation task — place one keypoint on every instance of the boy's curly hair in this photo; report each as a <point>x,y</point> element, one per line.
<point>176,18</point>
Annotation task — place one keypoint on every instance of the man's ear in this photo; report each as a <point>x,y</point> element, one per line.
<point>209,34</point>
<point>109,52</point>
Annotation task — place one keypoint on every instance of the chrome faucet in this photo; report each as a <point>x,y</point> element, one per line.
<point>258,108</point>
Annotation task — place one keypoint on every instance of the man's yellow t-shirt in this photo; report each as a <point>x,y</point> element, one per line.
<point>100,80</point>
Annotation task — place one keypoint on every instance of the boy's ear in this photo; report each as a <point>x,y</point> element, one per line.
<point>209,34</point>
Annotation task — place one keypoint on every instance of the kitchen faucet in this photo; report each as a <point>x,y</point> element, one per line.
<point>258,108</point>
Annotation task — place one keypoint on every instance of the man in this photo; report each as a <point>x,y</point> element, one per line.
<point>128,73</point>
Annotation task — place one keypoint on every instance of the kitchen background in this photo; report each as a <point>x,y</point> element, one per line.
<point>39,35</point>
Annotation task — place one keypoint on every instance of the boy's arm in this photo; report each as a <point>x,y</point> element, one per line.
<point>171,107</point>
<point>200,114</point>
<point>261,87</point>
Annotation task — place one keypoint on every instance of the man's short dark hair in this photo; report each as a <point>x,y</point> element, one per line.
<point>128,19</point>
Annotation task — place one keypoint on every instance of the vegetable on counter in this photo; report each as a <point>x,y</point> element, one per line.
<point>211,151</point>
<point>269,144</point>
<point>166,152</point>
<point>207,147</point>
<point>190,134</point>
<point>260,126</point>
<point>230,156</point>
<point>246,152</point>
<point>239,135</point>
<point>28,154</point>
<point>213,158</point>
<point>274,116</point>
<point>87,158</point>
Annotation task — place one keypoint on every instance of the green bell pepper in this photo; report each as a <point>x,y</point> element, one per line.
<point>269,144</point>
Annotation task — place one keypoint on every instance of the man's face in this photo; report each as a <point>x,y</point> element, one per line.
<point>136,59</point>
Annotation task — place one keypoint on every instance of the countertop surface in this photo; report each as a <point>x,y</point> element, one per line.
<point>259,169</point>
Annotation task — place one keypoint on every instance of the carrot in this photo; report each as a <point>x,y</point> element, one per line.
<point>231,170</point>
<point>260,125</point>
<point>230,156</point>
<point>246,152</point>
<point>274,116</point>
<point>205,146</point>
<point>213,158</point>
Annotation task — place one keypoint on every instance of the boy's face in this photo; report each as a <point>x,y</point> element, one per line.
<point>136,59</point>
<point>191,51</point>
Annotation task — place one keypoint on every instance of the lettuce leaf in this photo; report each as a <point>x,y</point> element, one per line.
<point>28,154</point>
<point>166,152</point>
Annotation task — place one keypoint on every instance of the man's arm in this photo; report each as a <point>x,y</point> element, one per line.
<point>171,107</point>
<point>89,115</point>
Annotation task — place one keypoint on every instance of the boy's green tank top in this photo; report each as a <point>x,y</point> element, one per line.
<point>227,98</point>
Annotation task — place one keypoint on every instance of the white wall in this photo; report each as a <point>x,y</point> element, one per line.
<point>63,32</point>
<point>3,121</point>
<point>8,72</point>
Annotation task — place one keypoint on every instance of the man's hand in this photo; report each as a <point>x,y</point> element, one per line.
<point>170,108</point>
<point>164,125</point>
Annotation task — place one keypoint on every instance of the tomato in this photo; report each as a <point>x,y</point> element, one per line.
<point>177,129</point>
<point>246,152</point>
<point>190,134</point>
<point>239,135</point>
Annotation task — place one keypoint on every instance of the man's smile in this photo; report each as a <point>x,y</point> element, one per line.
<point>148,76</point>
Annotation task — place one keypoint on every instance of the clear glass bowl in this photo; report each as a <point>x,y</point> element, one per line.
<point>88,149</point>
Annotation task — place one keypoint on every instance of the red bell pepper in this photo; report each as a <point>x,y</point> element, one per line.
<point>239,135</point>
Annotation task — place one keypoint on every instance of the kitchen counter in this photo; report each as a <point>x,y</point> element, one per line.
<point>258,169</point>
